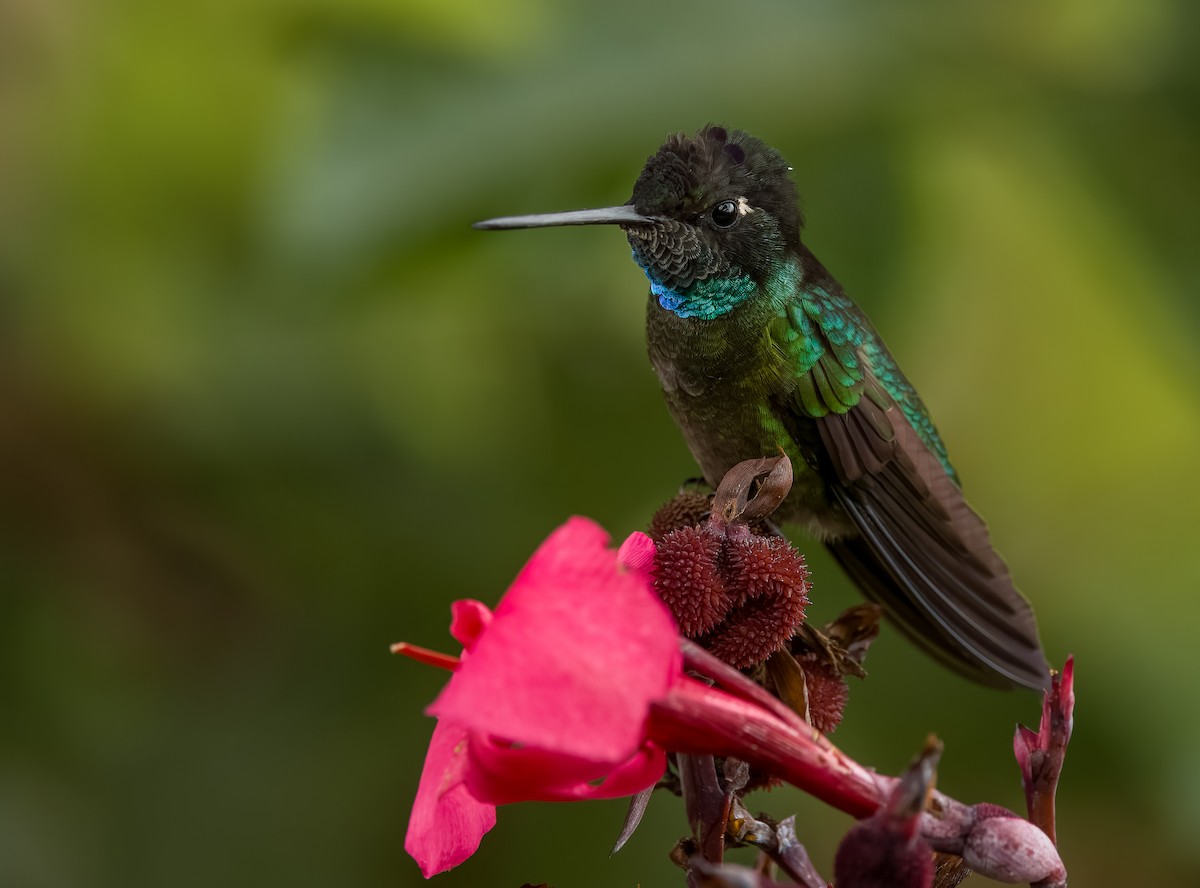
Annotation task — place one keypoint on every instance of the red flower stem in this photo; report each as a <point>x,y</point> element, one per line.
<point>1040,804</point>
<point>706,803</point>
<point>726,677</point>
<point>696,719</point>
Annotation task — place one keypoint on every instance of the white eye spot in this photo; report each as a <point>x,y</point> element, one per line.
<point>743,206</point>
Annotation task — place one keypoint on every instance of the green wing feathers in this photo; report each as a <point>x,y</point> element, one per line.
<point>921,550</point>
<point>838,357</point>
<point>823,339</point>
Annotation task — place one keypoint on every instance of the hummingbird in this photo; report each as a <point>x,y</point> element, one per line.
<point>759,350</point>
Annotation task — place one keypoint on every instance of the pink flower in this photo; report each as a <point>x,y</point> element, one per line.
<point>447,822</point>
<point>552,694</point>
<point>574,688</point>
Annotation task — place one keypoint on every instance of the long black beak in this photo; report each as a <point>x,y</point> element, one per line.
<point>622,215</point>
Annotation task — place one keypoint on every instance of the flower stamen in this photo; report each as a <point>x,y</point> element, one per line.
<point>423,655</point>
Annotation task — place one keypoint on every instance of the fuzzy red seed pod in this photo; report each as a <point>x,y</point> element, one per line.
<point>687,509</point>
<point>741,593</point>
<point>687,578</point>
<point>757,629</point>
<point>749,636</point>
<point>827,693</point>
<point>766,565</point>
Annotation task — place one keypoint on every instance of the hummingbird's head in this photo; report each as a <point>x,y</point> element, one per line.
<point>710,206</point>
<point>720,201</point>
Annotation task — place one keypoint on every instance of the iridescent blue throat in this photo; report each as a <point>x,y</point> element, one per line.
<point>705,299</point>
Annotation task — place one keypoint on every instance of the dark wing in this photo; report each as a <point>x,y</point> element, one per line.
<point>922,552</point>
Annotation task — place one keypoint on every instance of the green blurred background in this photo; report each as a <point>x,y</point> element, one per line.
<point>268,404</point>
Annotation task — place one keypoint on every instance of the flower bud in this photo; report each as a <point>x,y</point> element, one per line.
<point>1008,848</point>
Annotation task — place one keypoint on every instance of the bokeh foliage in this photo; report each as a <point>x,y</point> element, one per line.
<point>268,404</point>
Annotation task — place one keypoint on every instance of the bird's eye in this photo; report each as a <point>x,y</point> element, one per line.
<point>725,213</point>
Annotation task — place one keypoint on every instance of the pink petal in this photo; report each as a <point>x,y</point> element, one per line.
<point>447,822</point>
<point>468,621</point>
<point>576,651</point>
<point>637,553</point>
<point>501,774</point>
